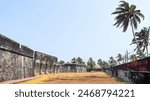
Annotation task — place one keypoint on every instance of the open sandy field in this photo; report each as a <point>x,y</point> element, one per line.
<point>74,78</point>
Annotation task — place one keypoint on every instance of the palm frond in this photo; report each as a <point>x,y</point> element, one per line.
<point>140,15</point>
<point>132,8</point>
<point>118,12</point>
<point>125,24</point>
<point>119,20</point>
<point>124,4</point>
<point>134,22</point>
<point>137,18</point>
<point>121,9</point>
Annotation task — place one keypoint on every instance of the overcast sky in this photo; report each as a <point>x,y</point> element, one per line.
<point>68,28</point>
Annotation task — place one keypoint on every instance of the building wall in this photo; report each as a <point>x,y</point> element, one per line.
<point>140,77</point>
<point>16,60</point>
<point>71,67</point>
<point>44,63</point>
<point>136,71</point>
<point>123,74</point>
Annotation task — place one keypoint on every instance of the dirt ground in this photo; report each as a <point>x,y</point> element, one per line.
<point>74,78</point>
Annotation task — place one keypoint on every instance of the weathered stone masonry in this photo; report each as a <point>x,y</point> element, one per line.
<point>15,60</point>
<point>18,61</point>
<point>73,67</point>
<point>137,71</point>
<point>45,63</point>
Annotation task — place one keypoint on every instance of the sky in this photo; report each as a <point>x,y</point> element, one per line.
<point>69,28</point>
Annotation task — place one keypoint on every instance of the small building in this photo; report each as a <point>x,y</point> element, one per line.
<point>73,67</point>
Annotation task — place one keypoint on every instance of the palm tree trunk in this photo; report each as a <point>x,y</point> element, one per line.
<point>147,50</point>
<point>136,39</point>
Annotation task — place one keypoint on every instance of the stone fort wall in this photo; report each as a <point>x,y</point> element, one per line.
<point>44,63</point>
<point>137,71</point>
<point>15,60</point>
<point>18,61</point>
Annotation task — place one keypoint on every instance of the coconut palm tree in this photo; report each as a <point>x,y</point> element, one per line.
<point>127,14</point>
<point>112,61</point>
<point>91,63</point>
<point>105,64</point>
<point>100,62</point>
<point>80,60</point>
<point>61,62</point>
<point>73,60</point>
<point>119,58</point>
<point>133,57</point>
<point>143,39</point>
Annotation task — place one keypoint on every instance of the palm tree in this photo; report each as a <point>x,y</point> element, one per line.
<point>100,62</point>
<point>112,62</point>
<point>73,60</point>
<point>61,62</point>
<point>128,14</point>
<point>91,63</point>
<point>80,60</point>
<point>145,36</point>
<point>105,64</point>
<point>133,57</point>
<point>119,58</point>
<point>143,39</point>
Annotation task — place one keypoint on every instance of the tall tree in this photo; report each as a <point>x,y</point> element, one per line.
<point>127,14</point>
<point>119,58</point>
<point>91,63</point>
<point>105,64</point>
<point>143,39</point>
<point>73,60</point>
<point>112,61</point>
<point>100,62</point>
<point>80,60</point>
<point>133,57</point>
<point>61,62</point>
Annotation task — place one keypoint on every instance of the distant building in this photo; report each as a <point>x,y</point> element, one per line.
<point>73,67</point>
<point>98,66</point>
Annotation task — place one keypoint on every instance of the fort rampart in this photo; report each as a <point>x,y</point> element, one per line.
<point>18,61</point>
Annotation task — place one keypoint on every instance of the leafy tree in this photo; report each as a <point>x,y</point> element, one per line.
<point>105,64</point>
<point>80,60</point>
<point>119,58</point>
<point>73,60</point>
<point>112,62</point>
<point>61,62</point>
<point>143,39</point>
<point>128,14</point>
<point>133,57</point>
<point>100,62</point>
<point>91,63</point>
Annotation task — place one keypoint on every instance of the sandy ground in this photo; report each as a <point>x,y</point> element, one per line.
<point>74,78</point>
